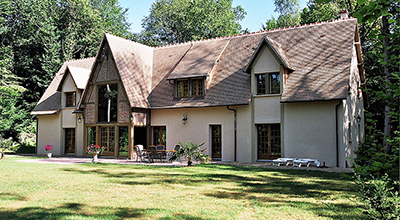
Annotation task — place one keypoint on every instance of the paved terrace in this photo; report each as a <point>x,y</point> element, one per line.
<point>81,160</point>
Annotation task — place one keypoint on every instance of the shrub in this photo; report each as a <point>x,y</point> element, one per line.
<point>381,200</point>
<point>191,151</point>
<point>7,145</point>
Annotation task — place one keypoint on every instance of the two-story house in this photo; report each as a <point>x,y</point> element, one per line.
<point>291,92</point>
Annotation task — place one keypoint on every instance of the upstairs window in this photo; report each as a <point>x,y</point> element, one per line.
<point>268,83</point>
<point>107,103</point>
<point>189,88</point>
<point>69,99</point>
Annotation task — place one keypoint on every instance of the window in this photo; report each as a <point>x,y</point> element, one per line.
<point>197,87</point>
<point>189,88</point>
<point>182,88</point>
<point>159,135</point>
<point>69,140</point>
<point>268,83</point>
<point>69,99</point>
<point>268,141</point>
<point>107,103</point>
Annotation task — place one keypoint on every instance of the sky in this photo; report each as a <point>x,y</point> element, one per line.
<point>258,11</point>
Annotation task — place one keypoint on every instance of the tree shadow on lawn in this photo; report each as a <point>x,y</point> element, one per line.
<point>73,210</point>
<point>272,187</point>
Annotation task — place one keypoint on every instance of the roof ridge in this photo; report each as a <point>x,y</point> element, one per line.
<point>76,60</point>
<point>258,32</point>
<point>130,41</point>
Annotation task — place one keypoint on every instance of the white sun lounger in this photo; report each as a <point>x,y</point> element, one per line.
<point>302,162</point>
<point>280,161</point>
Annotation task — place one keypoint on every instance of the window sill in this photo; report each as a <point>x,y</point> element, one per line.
<point>266,95</point>
<point>69,107</point>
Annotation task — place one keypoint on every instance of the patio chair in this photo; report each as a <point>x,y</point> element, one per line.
<point>140,153</point>
<point>153,154</point>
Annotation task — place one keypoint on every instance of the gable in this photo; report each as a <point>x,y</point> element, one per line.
<point>265,61</point>
<point>50,102</point>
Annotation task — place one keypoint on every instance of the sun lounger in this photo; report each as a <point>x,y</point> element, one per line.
<point>305,162</point>
<point>285,161</point>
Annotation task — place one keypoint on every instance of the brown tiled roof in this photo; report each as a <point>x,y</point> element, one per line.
<point>134,62</point>
<point>50,102</point>
<point>199,59</point>
<point>319,55</point>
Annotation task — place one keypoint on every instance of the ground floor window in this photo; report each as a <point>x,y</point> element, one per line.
<point>216,142</point>
<point>123,141</point>
<point>159,135</point>
<point>69,142</point>
<point>268,141</point>
<point>115,138</point>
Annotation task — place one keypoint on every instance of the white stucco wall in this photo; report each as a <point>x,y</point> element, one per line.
<point>49,132</point>
<point>197,128</point>
<point>267,109</point>
<point>244,136</point>
<point>265,62</point>
<point>310,131</point>
<point>352,132</point>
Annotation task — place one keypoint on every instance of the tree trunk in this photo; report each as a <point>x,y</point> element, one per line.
<point>387,121</point>
<point>2,155</point>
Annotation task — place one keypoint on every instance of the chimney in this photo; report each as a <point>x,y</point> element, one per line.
<point>344,14</point>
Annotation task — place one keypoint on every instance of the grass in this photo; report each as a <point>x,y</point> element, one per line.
<point>116,191</point>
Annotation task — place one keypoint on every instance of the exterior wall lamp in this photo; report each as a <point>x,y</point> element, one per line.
<point>80,117</point>
<point>184,119</point>
<point>131,118</point>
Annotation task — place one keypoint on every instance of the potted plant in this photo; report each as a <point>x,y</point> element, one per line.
<point>191,151</point>
<point>95,150</point>
<point>48,148</point>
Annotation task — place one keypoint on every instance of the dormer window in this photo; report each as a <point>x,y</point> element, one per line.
<point>268,83</point>
<point>189,87</point>
<point>69,99</point>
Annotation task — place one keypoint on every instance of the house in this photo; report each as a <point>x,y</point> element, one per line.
<point>291,92</point>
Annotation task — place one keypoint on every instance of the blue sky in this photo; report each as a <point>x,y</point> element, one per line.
<point>258,11</point>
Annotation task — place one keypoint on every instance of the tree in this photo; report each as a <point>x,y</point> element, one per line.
<point>176,21</point>
<point>289,15</point>
<point>38,36</point>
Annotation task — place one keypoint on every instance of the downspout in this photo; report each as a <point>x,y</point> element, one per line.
<point>235,130</point>
<point>337,132</point>
<point>37,134</point>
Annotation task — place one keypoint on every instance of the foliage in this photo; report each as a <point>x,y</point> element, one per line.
<point>48,147</point>
<point>191,151</point>
<point>94,149</point>
<point>177,21</point>
<point>289,15</point>
<point>379,196</point>
<point>36,37</point>
<point>7,145</point>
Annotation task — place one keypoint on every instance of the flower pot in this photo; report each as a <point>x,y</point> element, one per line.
<point>49,155</point>
<point>95,157</point>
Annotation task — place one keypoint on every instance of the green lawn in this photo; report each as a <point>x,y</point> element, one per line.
<point>114,191</point>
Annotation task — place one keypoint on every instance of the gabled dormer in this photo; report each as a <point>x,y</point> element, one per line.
<point>268,66</point>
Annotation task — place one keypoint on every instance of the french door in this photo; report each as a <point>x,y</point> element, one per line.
<point>69,142</point>
<point>216,143</point>
<point>268,141</point>
<point>107,140</point>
